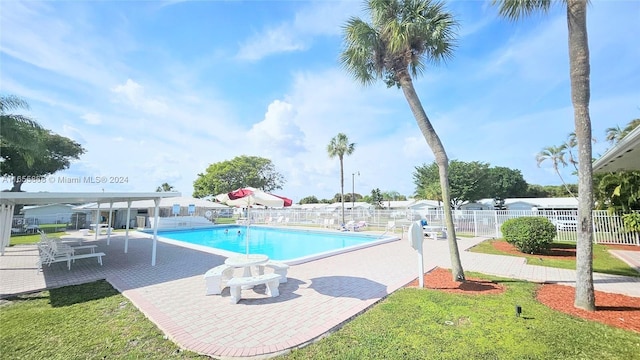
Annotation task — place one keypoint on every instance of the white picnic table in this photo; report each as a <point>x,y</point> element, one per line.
<point>246,262</point>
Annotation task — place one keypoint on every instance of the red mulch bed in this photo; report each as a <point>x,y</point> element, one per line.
<point>441,279</point>
<point>612,309</point>
<point>554,253</point>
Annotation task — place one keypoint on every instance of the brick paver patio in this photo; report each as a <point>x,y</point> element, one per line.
<point>319,296</point>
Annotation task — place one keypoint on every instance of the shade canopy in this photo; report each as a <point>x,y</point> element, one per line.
<point>8,200</point>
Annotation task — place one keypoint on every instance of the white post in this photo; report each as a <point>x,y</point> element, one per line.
<point>97,222</point>
<point>497,227</point>
<point>420,267</point>
<point>109,222</point>
<point>6,219</point>
<point>156,216</point>
<point>475,223</point>
<point>126,232</point>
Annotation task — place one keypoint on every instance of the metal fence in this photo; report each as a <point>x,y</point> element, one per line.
<point>607,228</point>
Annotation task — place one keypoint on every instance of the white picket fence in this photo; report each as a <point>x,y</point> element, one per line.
<point>607,228</point>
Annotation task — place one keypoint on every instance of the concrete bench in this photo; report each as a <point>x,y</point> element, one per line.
<point>278,268</point>
<point>216,279</point>
<point>272,281</point>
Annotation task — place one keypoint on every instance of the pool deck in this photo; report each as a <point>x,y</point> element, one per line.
<point>319,297</point>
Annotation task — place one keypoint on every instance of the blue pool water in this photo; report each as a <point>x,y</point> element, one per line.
<point>277,243</point>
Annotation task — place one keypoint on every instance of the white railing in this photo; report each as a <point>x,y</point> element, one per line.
<point>608,228</point>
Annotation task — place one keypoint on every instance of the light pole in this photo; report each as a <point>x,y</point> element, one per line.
<point>353,192</point>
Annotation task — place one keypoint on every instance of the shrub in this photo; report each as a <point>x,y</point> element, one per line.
<point>531,235</point>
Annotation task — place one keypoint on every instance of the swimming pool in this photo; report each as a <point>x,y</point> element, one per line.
<point>292,246</point>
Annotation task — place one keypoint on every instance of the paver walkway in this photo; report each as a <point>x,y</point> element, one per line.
<point>319,296</point>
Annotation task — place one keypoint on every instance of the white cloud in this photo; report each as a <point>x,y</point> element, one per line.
<point>92,118</point>
<point>271,41</point>
<point>278,131</point>
<point>134,93</point>
<point>318,18</point>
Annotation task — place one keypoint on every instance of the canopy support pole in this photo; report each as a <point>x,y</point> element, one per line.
<point>97,221</point>
<point>109,223</point>
<point>156,215</point>
<point>126,232</point>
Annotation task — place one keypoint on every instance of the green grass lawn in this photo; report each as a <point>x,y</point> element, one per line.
<point>94,321</point>
<point>90,321</point>
<point>32,238</point>
<point>603,261</point>
<point>428,324</point>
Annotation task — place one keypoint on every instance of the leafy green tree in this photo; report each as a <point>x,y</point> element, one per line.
<point>241,171</point>
<point>376,198</point>
<point>339,146</point>
<point>506,183</point>
<point>309,200</point>
<point>393,195</point>
<point>579,70</point>
<point>468,181</point>
<point>165,187</point>
<point>537,191</point>
<point>48,153</point>
<point>618,191</point>
<point>402,37</point>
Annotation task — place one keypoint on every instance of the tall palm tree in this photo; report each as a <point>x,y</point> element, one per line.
<point>339,146</point>
<point>580,93</point>
<point>569,145</point>
<point>614,134</point>
<point>629,128</point>
<point>556,155</point>
<point>403,36</point>
<point>165,187</point>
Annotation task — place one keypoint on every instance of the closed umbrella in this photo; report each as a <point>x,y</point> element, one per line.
<point>247,197</point>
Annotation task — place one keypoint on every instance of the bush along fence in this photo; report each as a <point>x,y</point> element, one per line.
<point>607,228</point>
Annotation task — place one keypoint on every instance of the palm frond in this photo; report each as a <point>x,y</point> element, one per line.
<point>363,53</point>
<point>517,9</point>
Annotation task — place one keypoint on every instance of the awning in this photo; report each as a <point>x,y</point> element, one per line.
<point>8,200</point>
<point>625,155</point>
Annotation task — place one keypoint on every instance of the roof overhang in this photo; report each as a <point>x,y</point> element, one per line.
<point>624,156</point>
<point>42,198</point>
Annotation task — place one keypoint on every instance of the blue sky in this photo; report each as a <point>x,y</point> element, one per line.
<point>157,91</point>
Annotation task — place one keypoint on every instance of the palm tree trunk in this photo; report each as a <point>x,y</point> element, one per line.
<point>442,160</point>
<point>566,187</point>
<point>580,93</point>
<point>342,187</point>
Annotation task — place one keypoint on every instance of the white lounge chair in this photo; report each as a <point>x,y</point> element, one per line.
<point>360,225</point>
<point>391,226</point>
<point>48,256</point>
